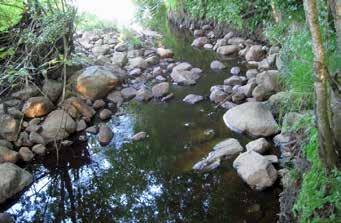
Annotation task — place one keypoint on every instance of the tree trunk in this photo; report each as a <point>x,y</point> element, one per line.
<point>322,110</point>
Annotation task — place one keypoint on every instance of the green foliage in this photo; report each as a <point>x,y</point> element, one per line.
<point>130,37</point>
<point>10,13</point>
<point>89,22</point>
<point>320,191</point>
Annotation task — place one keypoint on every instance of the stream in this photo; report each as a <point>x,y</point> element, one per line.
<point>151,180</point>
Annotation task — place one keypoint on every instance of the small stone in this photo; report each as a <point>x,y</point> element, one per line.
<point>160,89</point>
<point>36,138</point>
<point>105,135</point>
<point>128,93</point>
<point>235,70</point>
<point>217,65</point>
<point>167,97</point>
<point>105,114</point>
<point>260,146</point>
<point>98,104</point>
<point>26,154</point>
<point>39,149</point>
<point>193,99</point>
<point>234,80</point>
<point>139,136</point>
<point>92,130</point>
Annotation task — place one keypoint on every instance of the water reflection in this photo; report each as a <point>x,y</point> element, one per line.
<point>148,181</point>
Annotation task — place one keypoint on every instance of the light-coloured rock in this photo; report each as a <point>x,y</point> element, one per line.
<point>8,155</point>
<point>160,89</point>
<point>193,99</point>
<point>200,42</point>
<point>119,59</point>
<point>218,96</point>
<point>143,94</point>
<point>128,93</point>
<point>259,145</point>
<point>217,65</point>
<point>164,53</point>
<point>247,89</point>
<point>255,170</point>
<point>115,97</point>
<point>235,70</point>
<point>236,41</point>
<point>255,53</point>
<point>228,50</point>
<point>137,62</point>
<point>13,180</point>
<point>184,77</point>
<point>39,149</point>
<point>26,154</point>
<point>234,80</point>
<point>81,125</point>
<point>98,104</point>
<point>97,81</point>
<point>9,127</point>
<point>37,107</point>
<point>139,136</point>
<point>36,138</point>
<point>105,135</point>
<point>226,148</point>
<point>271,158</point>
<point>57,126</point>
<point>252,118</point>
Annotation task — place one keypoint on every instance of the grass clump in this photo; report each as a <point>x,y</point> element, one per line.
<point>10,13</point>
<point>319,197</point>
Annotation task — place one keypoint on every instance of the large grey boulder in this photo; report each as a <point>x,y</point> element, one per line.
<point>256,170</point>
<point>224,149</point>
<point>57,126</point>
<point>252,118</point>
<point>97,81</point>
<point>13,180</point>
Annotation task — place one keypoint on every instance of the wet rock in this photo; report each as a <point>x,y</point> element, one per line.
<point>25,154</point>
<point>193,99</point>
<point>139,136</point>
<point>228,105</point>
<point>115,97</point>
<point>182,66</point>
<point>36,138</point>
<point>200,42</point>
<point>13,180</point>
<point>143,95</point>
<point>98,104</point>
<point>218,96</point>
<point>128,93</point>
<point>57,126</point>
<point>260,146</point>
<point>167,97</point>
<point>160,89</point>
<point>119,59</point>
<point>105,114</point>
<point>96,82</point>
<point>234,80</point>
<point>228,50</point>
<point>255,53</point>
<point>255,170</point>
<point>217,65</point>
<point>235,70</point>
<point>164,53</point>
<point>252,118</point>
<point>196,70</point>
<point>9,127</point>
<point>137,62</point>
<point>184,77</point>
<point>37,107</point>
<point>7,155</point>
<point>39,149</point>
<point>226,148</point>
<point>105,135</point>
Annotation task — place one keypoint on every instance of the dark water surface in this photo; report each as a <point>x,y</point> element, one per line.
<point>152,180</point>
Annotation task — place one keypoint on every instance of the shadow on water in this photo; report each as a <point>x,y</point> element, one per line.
<point>149,181</point>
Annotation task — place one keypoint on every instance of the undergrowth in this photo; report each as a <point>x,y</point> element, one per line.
<point>319,198</point>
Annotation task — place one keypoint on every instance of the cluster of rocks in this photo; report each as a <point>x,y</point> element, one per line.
<point>255,169</point>
<point>34,119</point>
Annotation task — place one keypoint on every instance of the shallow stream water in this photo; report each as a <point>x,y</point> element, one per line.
<point>151,180</point>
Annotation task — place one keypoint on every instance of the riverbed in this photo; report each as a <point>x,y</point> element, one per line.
<point>151,180</point>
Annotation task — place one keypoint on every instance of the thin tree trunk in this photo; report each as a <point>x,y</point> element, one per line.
<point>322,109</point>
